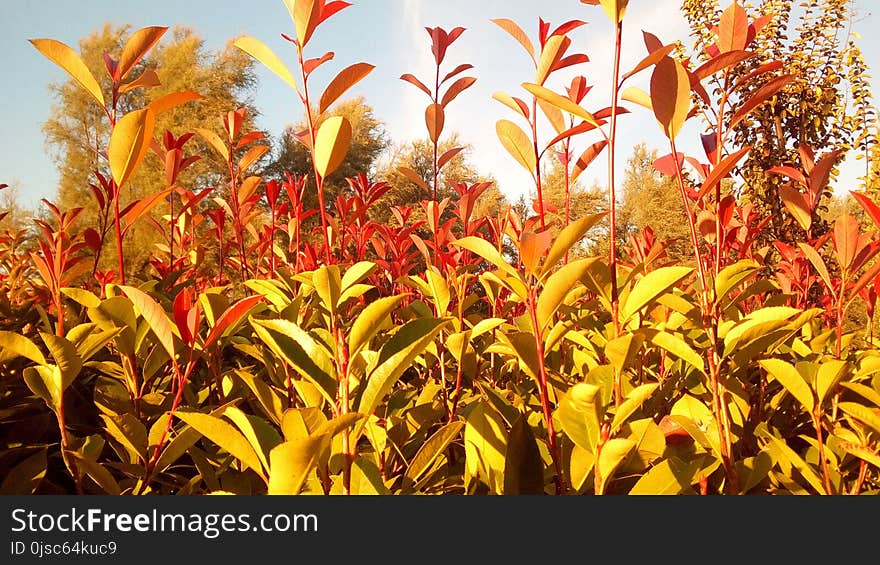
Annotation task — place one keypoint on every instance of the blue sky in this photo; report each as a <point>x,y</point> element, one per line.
<point>387,33</point>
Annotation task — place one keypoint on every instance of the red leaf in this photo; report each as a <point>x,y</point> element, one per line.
<point>722,62</point>
<point>790,172</point>
<point>414,81</point>
<point>457,88</point>
<point>869,206</point>
<point>332,8</point>
<point>447,156</point>
<point>230,317</point>
<point>310,65</point>
<point>761,96</point>
<point>721,170</point>
<point>666,164</point>
<point>458,70</point>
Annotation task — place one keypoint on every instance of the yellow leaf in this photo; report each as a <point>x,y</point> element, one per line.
<point>306,15</point>
<point>517,143</point>
<point>259,51</point>
<point>129,143</point>
<point>331,144</point>
<point>67,59</point>
<point>561,102</point>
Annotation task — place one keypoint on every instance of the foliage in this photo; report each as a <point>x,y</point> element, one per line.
<point>453,353</point>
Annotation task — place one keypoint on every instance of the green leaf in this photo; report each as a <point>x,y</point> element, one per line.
<point>328,285</point>
<point>357,273</point>
<point>395,357</point>
<point>613,454</point>
<point>487,251</point>
<point>82,297</point>
<point>291,463</point>
<point>557,287</point>
<point>830,373</point>
<point>301,351</point>
<point>99,473</point>
<point>262,437</point>
<point>130,432</point>
<point>485,445</point>
<point>670,476</point>
<point>523,467</point>
<point>676,346</point>
<point>155,316</point>
<point>862,413</point>
<point>272,402</point>
<point>432,448</point>
<point>788,377</point>
<point>224,435</point>
<point>865,392</point>
<point>26,476</point>
<point>370,321</point>
<point>621,351</point>
<point>651,287</point>
<point>366,478</point>
<point>753,470</point>
<point>45,382</point>
<point>781,450</point>
<point>732,276</point>
<point>568,237</point>
<point>862,453</point>
<point>633,402</point>
<point>580,415</point>
<point>16,345</point>
<point>66,357</point>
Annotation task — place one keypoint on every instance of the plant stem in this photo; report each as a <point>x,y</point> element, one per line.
<point>612,203</point>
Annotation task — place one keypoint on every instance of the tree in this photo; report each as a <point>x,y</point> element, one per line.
<point>652,199</point>
<point>369,140</point>
<point>828,104</point>
<point>418,156</point>
<point>78,132</point>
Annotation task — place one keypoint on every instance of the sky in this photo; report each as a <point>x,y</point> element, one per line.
<point>387,33</point>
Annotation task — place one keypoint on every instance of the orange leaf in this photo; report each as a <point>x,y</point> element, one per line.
<point>248,188</point>
<point>435,117</point>
<point>135,48</point>
<point>173,100</point>
<point>331,144</point>
<point>414,177</point>
<point>67,59</point>
<point>517,33</point>
<point>251,156</point>
<point>796,205</point>
<point>846,240</point>
<point>733,29</point>
<point>214,141</point>
<point>147,79</point>
<point>129,143</point>
<point>587,157</point>
<point>670,95</point>
<point>346,78</point>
